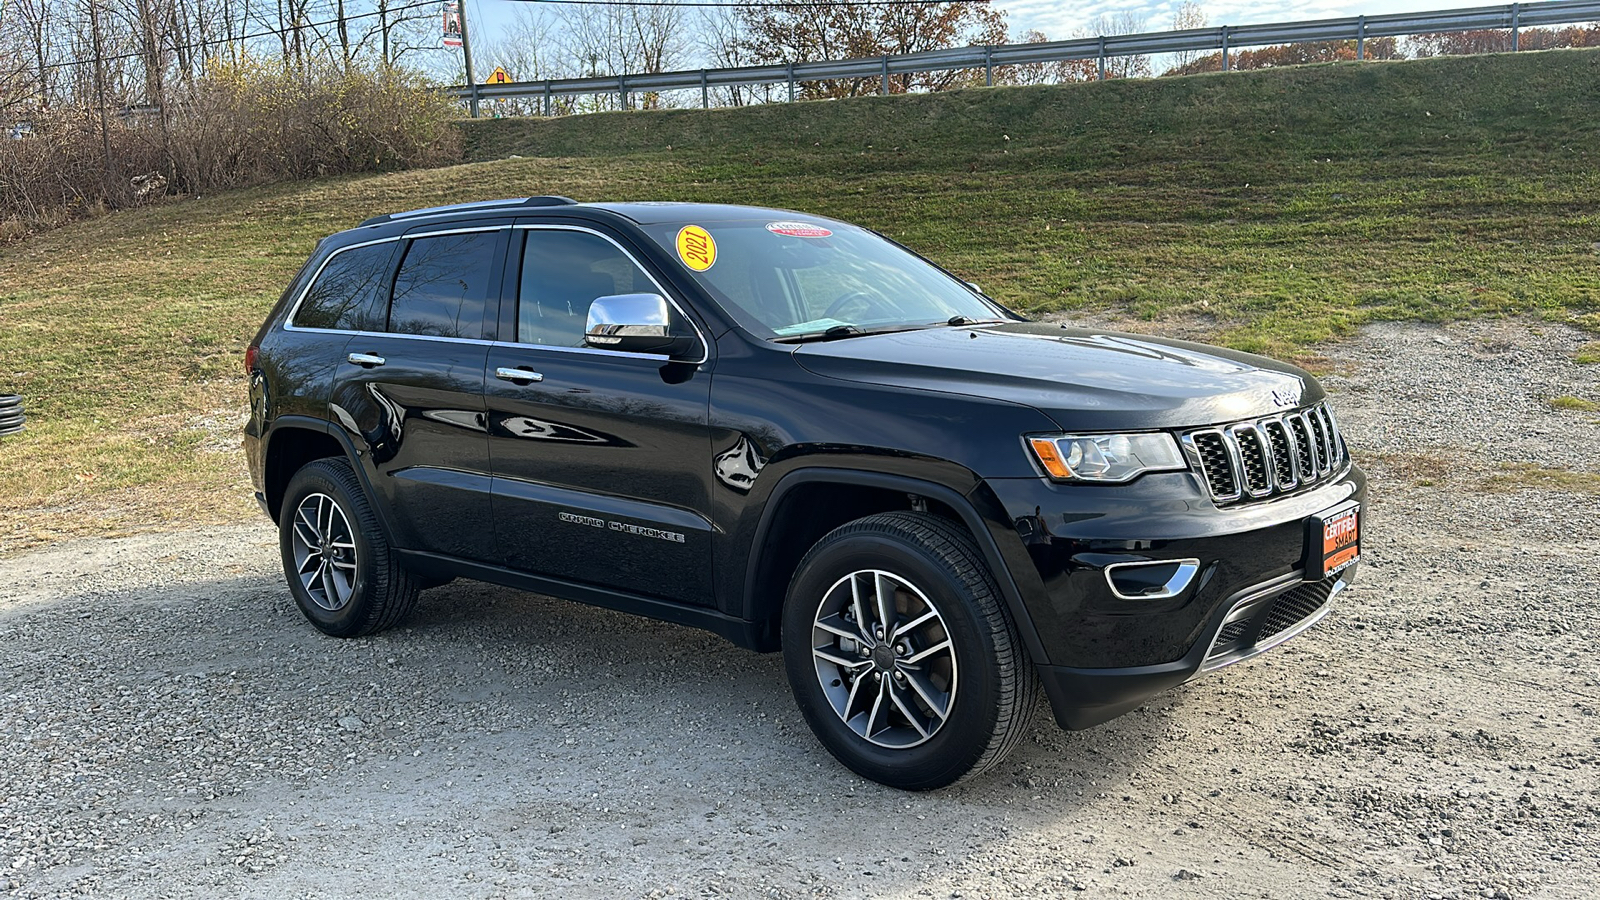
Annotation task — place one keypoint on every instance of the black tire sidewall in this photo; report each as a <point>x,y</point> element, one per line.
<point>961,741</point>
<point>316,478</point>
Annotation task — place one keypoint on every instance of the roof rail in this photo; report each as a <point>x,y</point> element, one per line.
<point>471,207</point>
<point>550,200</point>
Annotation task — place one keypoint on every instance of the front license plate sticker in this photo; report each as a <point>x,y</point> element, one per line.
<point>1335,541</point>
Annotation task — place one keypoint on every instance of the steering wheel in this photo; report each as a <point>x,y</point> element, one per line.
<point>870,301</point>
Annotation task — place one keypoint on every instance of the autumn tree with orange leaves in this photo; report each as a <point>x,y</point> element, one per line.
<point>770,33</point>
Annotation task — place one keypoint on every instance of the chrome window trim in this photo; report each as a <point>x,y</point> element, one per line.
<point>705,345</point>
<point>288,321</point>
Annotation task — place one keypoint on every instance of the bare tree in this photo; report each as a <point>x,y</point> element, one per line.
<point>1189,16</point>
<point>1125,22</point>
<point>621,40</point>
<point>528,50</point>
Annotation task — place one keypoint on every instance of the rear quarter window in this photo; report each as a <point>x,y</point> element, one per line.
<point>349,293</point>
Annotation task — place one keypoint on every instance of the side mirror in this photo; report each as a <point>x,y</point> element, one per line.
<point>976,290</point>
<point>634,323</point>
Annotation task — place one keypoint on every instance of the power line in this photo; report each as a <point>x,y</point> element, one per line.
<point>267,32</point>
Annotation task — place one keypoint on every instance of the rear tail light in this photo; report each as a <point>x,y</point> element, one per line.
<point>250,355</point>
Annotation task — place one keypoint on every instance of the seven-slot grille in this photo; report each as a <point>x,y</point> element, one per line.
<point>1261,458</point>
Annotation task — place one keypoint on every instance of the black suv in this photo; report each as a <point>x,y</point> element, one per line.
<point>801,436</point>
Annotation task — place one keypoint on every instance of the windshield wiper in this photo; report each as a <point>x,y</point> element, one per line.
<point>964,320</point>
<point>844,331</point>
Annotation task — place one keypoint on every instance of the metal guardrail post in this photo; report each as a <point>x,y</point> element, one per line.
<point>547,98</point>
<point>1361,37</point>
<point>622,90</point>
<point>791,82</point>
<point>885,89</point>
<point>1225,60</point>
<point>1102,57</point>
<point>988,66</point>
<point>705,89</point>
<point>1516,23</point>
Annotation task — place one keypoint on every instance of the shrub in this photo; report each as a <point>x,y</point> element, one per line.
<point>243,124</point>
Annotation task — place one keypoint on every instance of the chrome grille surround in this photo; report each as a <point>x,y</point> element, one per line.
<point>1267,457</point>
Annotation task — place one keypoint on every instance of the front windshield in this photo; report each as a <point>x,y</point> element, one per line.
<point>790,279</point>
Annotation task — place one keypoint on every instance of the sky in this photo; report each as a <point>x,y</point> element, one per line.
<point>1062,19</point>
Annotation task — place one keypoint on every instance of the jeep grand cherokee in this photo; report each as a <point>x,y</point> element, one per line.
<point>802,436</point>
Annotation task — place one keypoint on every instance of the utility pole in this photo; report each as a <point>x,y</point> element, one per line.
<point>100,87</point>
<point>466,53</point>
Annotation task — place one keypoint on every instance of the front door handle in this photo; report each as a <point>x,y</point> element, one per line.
<point>520,376</point>
<point>366,360</point>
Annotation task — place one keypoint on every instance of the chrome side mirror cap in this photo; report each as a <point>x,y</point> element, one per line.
<point>634,323</point>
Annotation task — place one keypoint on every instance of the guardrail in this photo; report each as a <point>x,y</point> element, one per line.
<point>1512,16</point>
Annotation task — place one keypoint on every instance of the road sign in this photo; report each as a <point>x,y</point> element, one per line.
<point>498,76</point>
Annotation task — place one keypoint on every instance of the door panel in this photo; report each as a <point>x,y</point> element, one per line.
<point>601,470</point>
<point>420,419</point>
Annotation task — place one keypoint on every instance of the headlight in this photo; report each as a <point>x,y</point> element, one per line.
<point>1105,457</point>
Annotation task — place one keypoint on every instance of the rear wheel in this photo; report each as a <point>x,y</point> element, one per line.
<point>340,569</point>
<point>900,654</point>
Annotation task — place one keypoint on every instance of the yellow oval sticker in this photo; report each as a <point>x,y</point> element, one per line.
<point>696,247</point>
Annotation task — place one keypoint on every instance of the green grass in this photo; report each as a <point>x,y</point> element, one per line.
<point>1269,210</point>
<point>1567,401</point>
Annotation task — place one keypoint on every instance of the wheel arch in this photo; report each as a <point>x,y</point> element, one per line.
<point>788,528</point>
<point>294,441</point>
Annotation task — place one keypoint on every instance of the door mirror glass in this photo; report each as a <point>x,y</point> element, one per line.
<point>634,323</point>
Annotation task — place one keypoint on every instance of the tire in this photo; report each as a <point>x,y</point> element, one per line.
<point>9,431</point>
<point>11,420</point>
<point>326,516</point>
<point>983,681</point>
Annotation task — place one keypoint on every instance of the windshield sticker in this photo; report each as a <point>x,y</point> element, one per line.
<point>798,229</point>
<point>696,247</point>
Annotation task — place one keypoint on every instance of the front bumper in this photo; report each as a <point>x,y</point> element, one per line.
<point>1101,653</point>
<point>1252,622</point>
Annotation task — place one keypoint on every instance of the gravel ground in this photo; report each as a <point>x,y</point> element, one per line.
<point>172,728</point>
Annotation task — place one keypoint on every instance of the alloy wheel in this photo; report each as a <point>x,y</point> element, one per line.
<point>324,551</point>
<point>884,658</point>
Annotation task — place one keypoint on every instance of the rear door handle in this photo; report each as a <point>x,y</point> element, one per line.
<point>366,360</point>
<point>521,376</point>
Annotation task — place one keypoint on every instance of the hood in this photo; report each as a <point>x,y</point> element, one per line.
<point>1084,379</point>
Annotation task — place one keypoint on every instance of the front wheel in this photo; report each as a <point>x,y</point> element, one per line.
<point>900,654</point>
<point>340,569</point>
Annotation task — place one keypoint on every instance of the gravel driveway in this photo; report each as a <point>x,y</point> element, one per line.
<point>170,727</point>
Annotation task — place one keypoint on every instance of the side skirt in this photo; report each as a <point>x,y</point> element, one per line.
<point>744,634</point>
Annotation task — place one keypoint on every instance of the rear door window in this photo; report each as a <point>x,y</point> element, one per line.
<point>349,292</point>
<point>443,283</point>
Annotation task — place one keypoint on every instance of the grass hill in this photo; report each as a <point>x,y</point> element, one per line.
<point>1268,210</point>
